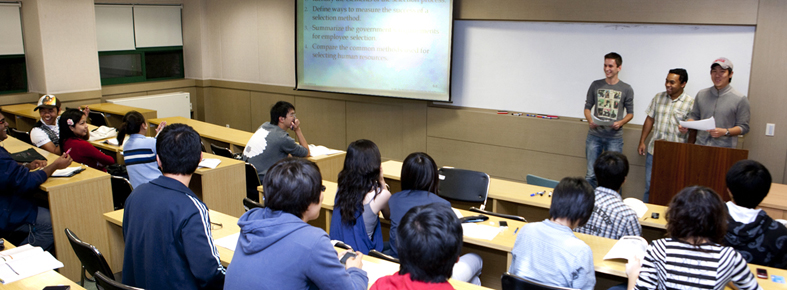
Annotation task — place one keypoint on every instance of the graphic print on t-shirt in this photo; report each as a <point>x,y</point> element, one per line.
<point>607,104</point>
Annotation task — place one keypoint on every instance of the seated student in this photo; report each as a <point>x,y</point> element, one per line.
<point>139,152</point>
<point>74,135</point>
<point>419,184</point>
<point>45,133</point>
<point>611,218</point>
<point>430,243</point>
<point>361,196</point>
<point>754,234</point>
<point>548,251</point>
<point>271,143</point>
<point>17,212</point>
<point>277,249</point>
<point>166,227</point>
<point>692,258</point>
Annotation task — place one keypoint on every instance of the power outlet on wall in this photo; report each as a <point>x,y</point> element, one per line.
<point>769,129</point>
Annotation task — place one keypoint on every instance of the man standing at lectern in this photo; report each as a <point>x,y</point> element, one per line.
<point>664,112</point>
<point>727,106</point>
<point>609,96</point>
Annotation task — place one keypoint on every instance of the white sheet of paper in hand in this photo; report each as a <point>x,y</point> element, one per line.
<point>479,231</point>
<point>602,122</point>
<point>703,125</point>
<point>628,247</point>
<point>228,242</point>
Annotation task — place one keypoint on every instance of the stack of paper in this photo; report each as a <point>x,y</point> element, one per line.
<point>319,150</point>
<point>637,206</point>
<point>209,163</point>
<point>68,172</point>
<point>228,242</point>
<point>704,125</point>
<point>627,248</point>
<point>480,231</point>
<point>25,261</point>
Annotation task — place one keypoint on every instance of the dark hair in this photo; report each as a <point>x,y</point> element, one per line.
<point>280,109</point>
<point>749,182</point>
<point>419,172</point>
<point>65,130</point>
<point>682,73</point>
<point>573,199</point>
<point>611,169</point>
<point>697,212</point>
<point>361,173</point>
<point>614,55</point>
<point>179,148</point>
<point>430,241</point>
<point>729,69</point>
<point>132,122</point>
<point>291,185</point>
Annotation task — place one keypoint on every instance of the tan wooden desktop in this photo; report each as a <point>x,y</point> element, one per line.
<point>48,278</point>
<point>775,204</point>
<point>236,140</point>
<point>21,116</point>
<point>114,112</point>
<point>229,226</point>
<point>76,203</point>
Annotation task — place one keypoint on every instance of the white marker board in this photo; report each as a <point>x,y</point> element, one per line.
<point>166,105</point>
<point>546,68</point>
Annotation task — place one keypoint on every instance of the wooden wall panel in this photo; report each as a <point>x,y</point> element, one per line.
<point>231,107</point>
<point>414,124</point>
<point>766,90</point>
<point>261,104</point>
<point>631,11</point>
<point>323,121</point>
<point>381,123</point>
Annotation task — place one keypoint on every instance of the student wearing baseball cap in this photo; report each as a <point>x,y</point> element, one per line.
<point>727,106</point>
<point>45,132</point>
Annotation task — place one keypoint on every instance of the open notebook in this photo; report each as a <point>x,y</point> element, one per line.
<point>25,261</point>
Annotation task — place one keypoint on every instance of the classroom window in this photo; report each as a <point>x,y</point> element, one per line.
<point>13,74</point>
<point>141,65</point>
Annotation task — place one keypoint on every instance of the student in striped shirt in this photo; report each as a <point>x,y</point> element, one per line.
<point>139,152</point>
<point>692,257</point>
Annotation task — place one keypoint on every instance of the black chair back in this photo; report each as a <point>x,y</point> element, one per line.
<point>513,282</point>
<point>377,254</point>
<point>463,185</point>
<point>97,119</point>
<point>21,135</point>
<point>252,182</point>
<point>221,151</point>
<point>249,204</point>
<point>105,283</point>
<point>502,215</point>
<point>121,189</point>
<point>92,260</point>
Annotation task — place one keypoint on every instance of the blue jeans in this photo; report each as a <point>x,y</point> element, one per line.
<point>594,146</point>
<point>648,167</point>
<point>39,233</point>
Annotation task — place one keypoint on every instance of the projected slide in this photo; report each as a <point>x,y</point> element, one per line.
<point>396,48</point>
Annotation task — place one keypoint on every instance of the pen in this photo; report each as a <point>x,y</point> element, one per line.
<point>69,150</point>
<point>516,230</point>
<point>12,269</point>
<point>550,194</point>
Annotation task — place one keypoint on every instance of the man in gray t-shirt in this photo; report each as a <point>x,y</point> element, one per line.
<point>606,100</point>
<point>728,107</point>
<point>271,143</point>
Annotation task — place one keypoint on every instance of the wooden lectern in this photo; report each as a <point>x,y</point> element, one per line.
<point>678,165</point>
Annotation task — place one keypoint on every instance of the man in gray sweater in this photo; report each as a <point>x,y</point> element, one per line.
<point>271,143</point>
<point>727,106</point>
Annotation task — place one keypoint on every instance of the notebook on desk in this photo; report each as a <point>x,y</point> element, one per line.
<point>27,156</point>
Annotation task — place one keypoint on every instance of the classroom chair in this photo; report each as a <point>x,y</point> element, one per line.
<point>121,189</point>
<point>468,186</point>
<point>92,260</point>
<point>222,151</point>
<point>97,119</point>
<point>379,255</point>
<point>21,135</point>
<point>105,283</point>
<point>540,181</point>
<point>513,282</point>
<point>249,204</point>
<point>252,182</point>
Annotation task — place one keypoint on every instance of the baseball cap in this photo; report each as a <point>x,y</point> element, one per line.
<point>724,62</point>
<point>47,101</point>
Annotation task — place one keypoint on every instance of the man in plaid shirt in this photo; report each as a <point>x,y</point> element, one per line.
<point>664,113</point>
<point>611,218</point>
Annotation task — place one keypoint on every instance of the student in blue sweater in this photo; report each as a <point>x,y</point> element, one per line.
<point>361,196</point>
<point>419,184</point>
<point>277,249</point>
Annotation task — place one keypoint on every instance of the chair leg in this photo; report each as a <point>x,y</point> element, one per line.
<point>82,279</point>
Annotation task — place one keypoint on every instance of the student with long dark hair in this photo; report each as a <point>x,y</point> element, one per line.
<point>74,135</point>
<point>419,185</point>
<point>692,257</point>
<point>361,196</point>
<point>139,152</point>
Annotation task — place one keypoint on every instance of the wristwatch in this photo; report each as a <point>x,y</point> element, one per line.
<point>728,133</point>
